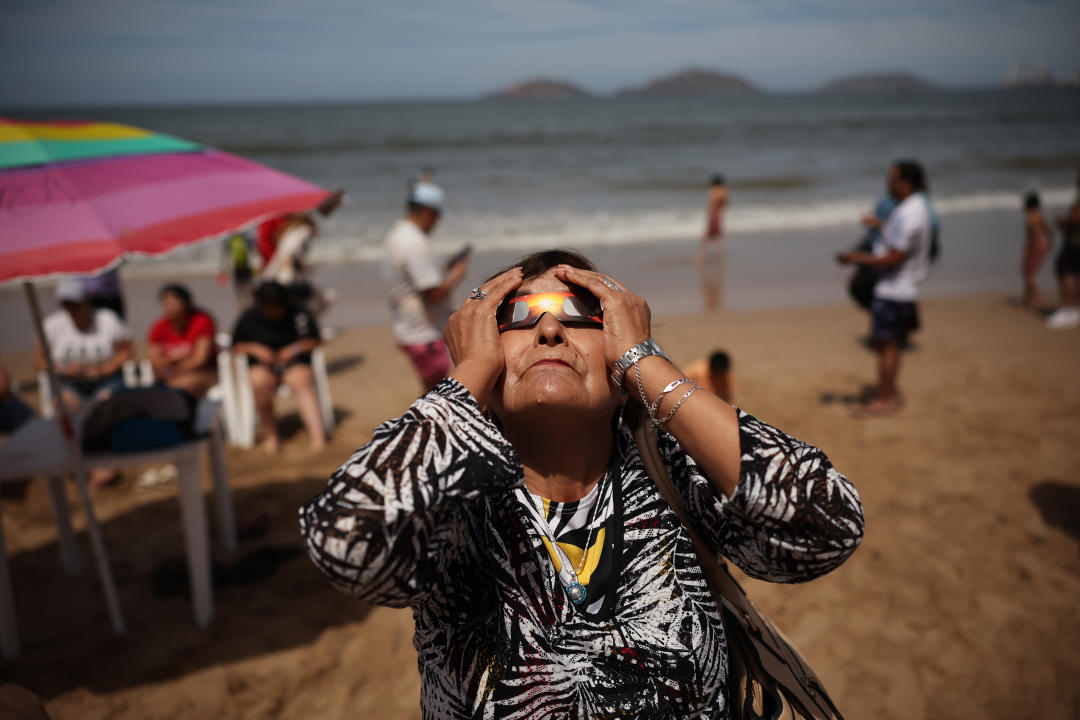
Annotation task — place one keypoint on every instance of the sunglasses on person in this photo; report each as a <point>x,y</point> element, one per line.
<point>566,307</point>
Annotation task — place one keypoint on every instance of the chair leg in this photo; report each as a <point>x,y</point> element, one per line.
<point>193,513</point>
<point>223,499</point>
<point>322,389</point>
<point>69,548</point>
<point>97,544</point>
<point>9,623</point>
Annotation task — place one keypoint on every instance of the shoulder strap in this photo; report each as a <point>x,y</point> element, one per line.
<point>780,659</point>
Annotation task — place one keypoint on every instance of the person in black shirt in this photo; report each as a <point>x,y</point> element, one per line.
<point>278,338</point>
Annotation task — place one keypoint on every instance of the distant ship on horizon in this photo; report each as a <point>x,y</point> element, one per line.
<point>1041,75</point>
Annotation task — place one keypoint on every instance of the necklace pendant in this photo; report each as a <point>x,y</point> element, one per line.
<point>576,592</point>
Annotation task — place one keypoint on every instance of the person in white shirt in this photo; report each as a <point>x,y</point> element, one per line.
<point>902,254</point>
<point>89,346</point>
<point>418,286</point>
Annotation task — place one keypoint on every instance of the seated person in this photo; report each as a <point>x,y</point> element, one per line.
<point>714,374</point>
<point>182,343</point>
<point>278,338</point>
<point>13,411</point>
<point>89,347</point>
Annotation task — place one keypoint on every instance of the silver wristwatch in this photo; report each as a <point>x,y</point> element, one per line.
<point>644,348</point>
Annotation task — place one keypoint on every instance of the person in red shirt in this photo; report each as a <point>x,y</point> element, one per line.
<point>182,343</point>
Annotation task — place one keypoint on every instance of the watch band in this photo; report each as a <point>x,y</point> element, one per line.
<point>644,348</point>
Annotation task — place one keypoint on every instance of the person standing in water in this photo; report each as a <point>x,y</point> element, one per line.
<point>1036,246</point>
<point>714,218</point>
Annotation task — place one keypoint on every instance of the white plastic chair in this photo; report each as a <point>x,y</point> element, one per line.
<point>248,419</point>
<point>39,448</point>
<point>139,374</point>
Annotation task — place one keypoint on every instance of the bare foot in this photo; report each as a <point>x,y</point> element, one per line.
<point>878,407</point>
<point>271,445</point>
<point>317,446</point>
<point>103,476</point>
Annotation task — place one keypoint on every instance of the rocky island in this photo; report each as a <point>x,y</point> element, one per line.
<point>692,82</point>
<point>539,88</point>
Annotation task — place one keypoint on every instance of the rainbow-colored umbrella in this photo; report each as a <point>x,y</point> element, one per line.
<point>77,197</point>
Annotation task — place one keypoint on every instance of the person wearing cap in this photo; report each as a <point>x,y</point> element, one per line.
<point>89,346</point>
<point>419,286</point>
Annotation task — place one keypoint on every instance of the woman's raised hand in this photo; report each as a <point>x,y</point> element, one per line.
<point>627,318</point>
<point>472,336</point>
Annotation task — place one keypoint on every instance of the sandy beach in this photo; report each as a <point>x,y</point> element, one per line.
<point>960,603</point>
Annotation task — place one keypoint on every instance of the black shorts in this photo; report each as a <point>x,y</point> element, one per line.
<point>1068,261</point>
<point>893,320</point>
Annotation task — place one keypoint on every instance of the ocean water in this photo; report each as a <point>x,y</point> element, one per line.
<point>607,172</point>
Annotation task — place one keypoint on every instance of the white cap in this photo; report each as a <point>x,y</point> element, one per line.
<point>70,290</point>
<point>427,194</point>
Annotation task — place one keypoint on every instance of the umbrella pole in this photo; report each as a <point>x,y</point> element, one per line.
<point>75,453</point>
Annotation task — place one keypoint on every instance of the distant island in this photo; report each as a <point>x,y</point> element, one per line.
<point>692,82</point>
<point>539,88</point>
<point>880,82</point>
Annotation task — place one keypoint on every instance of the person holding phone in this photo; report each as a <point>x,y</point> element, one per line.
<point>419,287</point>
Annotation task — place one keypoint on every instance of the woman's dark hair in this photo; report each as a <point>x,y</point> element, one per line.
<point>912,172</point>
<point>272,293</point>
<point>1031,201</point>
<point>717,180</point>
<point>538,263</point>
<point>177,290</point>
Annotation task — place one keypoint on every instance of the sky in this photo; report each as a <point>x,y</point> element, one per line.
<point>101,52</point>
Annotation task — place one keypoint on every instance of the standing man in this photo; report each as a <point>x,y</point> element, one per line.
<point>902,256</point>
<point>419,288</point>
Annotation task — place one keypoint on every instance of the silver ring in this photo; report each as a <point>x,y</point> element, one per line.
<point>478,294</point>
<point>612,284</point>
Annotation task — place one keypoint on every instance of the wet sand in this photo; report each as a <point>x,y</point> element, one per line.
<point>960,603</point>
<point>981,254</point>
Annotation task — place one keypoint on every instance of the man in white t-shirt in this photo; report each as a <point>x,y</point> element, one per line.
<point>419,287</point>
<point>902,254</point>
<point>89,346</point>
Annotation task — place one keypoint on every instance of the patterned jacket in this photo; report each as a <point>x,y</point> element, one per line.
<point>424,516</point>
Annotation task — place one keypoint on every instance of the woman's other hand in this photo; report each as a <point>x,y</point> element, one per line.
<point>472,336</point>
<point>627,318</point>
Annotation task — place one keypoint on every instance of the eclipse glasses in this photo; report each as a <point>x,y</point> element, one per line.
<point>566,307</point>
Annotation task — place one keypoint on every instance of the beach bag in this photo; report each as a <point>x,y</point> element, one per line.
<point>137,420</point>
<point>767,677</point>
<point>861,287</point>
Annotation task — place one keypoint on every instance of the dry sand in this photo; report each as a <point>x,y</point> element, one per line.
<point>961,603</point>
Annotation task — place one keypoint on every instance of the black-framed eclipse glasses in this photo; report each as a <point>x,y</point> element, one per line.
<point>566,307</point>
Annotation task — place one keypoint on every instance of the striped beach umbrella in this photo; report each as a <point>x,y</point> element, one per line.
<point>78,197</point>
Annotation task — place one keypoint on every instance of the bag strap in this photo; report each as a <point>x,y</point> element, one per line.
<point>727,592</point>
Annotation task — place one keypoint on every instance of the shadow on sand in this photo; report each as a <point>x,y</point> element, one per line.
<point>267,597</point>
<point>1059,505</point>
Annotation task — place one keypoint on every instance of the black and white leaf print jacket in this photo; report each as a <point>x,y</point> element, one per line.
<point>424,516</point>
